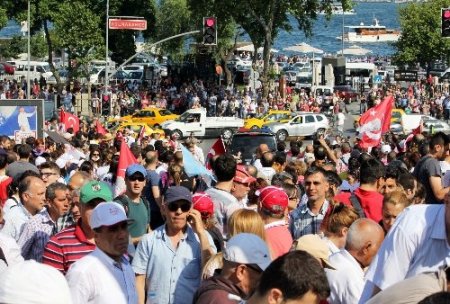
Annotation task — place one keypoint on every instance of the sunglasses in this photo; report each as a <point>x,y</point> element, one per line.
<point>184,206</point>
<point>136,178</point>
<point>95,154</point>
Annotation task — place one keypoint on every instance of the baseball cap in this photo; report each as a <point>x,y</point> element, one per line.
<point>95,189</point>
<point>33,282</point>
<point>242,176</point>
<point>177,193</point>
<point>135,168</point>
<point>315,246</point>
<point>247,248</point>
<point>108,214</point>
<point>203,203</point>
<point>385,149</point>
<point>273,199</point>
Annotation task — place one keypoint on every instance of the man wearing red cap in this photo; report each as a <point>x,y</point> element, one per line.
<point>241,185</point>
<point>273,202</point>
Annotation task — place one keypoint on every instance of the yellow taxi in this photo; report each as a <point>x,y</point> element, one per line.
<point>136,127</point>
<point>152,116</point>
<point>396,117</point>
<point>271,116</point>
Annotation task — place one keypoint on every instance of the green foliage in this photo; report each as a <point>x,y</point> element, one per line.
<point>3,17</point>
<point>38,46</point>
<point>172,17</point>
<point>421,33</point>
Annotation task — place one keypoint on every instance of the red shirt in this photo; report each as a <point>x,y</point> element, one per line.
<point>371,202</point>
<point>343,197</point>
<point>279,239</point>
<point>66,247</point>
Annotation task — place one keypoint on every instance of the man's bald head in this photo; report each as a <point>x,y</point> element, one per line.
<point>364,238</point>
<point>309,148</point>
<point>78,179</point>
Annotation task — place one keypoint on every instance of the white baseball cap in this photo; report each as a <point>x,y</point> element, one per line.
<point>385,149</point>
<point>247,248</point>
<point>108,214</point>
<point>33,282</point>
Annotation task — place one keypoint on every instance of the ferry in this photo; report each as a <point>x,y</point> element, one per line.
<point>337,9</point>
<point>370,33</point>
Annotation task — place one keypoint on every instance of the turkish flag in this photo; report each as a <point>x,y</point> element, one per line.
<point>375,122</point>
<point>70,121</point>
<point>100,129</point>
<point>218,148</point>
<point>126,159</point>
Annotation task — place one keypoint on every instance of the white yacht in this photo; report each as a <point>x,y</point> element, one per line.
<point>370,33</point>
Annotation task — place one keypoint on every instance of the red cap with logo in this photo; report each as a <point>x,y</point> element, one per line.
<point>273,199</point>
<point>242,176</point>
<point>203,203</point>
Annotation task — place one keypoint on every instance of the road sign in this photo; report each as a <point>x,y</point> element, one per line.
<point>128,24</point>
<point>377,78</point>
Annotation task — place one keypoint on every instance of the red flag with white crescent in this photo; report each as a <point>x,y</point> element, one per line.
<point>374,122</point>
<point>70,121</point>
<point>218,148</point>
<point>126,159</point>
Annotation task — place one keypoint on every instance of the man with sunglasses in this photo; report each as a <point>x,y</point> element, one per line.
<point>168,260</point>
<point>135,204</point>
<point>105,275</point>
<point>73,243</point>
<point>241,185</point>
<point>245,258</point>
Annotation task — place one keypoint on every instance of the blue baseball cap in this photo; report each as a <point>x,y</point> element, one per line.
<point>177,193</point>
<point>135,168</point>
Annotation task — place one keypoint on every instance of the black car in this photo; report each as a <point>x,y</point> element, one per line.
<point>246,143</point>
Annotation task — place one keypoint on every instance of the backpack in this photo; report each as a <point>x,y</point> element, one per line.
<point>357,205</point>
<point>122,199</point>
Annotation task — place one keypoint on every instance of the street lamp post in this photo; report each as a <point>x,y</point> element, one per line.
<point>29,52</point>
<point>106,55</point>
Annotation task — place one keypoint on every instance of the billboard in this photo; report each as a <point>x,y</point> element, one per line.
<point>405,75</point>
<point>22,118</point>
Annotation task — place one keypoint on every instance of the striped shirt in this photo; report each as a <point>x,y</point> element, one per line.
<point>67,247</point>
<point>303,221</point>
<point>35,235</point>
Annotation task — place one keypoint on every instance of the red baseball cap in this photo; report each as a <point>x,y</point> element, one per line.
<point>242,176</point>
<point>203,203</point>
<point>273,199</point>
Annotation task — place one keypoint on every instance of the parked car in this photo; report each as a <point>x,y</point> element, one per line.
<point>305,124</point>
<point>7,68</point>
<point>270,116</point>
<point>152,116</point>
<point>347,93</point>
<point>246,142</point>
<point>239,62</point>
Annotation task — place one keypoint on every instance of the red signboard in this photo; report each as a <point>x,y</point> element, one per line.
<point>128,24</point>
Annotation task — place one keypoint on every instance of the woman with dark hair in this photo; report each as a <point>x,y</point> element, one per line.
<point>88,167</point>
<point>111,177</point>
<point>95,157</point>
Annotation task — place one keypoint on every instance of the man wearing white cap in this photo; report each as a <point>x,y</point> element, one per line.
<point>245,257</point>
<point>105,275</point>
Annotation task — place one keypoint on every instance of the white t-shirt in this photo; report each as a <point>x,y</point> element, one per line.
<point>347,281</point>
<point>96,278</point>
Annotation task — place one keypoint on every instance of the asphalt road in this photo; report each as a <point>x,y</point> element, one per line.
<point>349,130</point>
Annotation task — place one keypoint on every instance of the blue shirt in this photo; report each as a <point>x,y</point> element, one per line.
<point>303,221</point>
<point>173,275</point>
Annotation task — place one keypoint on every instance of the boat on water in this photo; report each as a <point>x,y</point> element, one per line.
<point>369,33</point>
<point>337,9</point>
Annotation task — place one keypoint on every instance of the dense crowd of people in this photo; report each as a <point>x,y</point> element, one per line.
<point>328,222</point>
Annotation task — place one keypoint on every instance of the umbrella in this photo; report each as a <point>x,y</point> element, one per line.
<point>303,48</point>
<point>355,50</point>
<point>251,48</point>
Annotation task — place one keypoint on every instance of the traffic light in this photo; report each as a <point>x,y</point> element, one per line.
<point>209,30</point>
<point>445,19</point>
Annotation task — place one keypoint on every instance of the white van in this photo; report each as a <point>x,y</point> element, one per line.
<point>37,68</point>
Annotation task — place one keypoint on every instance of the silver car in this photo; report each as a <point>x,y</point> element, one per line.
<point>305,124</point>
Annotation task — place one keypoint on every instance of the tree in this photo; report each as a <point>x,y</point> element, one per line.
<point>77,36</point>
<point>3,17</point>
<point>421,40</point>
<point>262,19</point>
<point>173,17</point>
